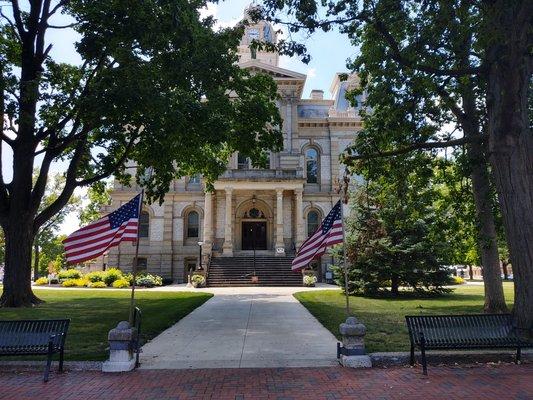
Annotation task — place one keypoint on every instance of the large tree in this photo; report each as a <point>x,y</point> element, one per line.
<point>483,50</point>
<point>156,85</point>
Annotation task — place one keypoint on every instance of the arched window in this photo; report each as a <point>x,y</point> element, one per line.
<point>144,224</point>
<point>311,163</point>
<point>313,221</point>
<point>193,224</point>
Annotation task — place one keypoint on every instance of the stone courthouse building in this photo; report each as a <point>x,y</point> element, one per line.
<point>272,210</point>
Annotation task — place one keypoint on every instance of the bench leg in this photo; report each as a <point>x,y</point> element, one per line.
<point>518,355</point>
<point>412,362</point>
<point>48,362</point>
<point>423,351</point>
<point>61,357</point>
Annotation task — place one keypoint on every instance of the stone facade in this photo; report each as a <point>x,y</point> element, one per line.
<point>278,205</point>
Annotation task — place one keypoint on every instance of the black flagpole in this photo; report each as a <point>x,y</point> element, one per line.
<point>136,260</point>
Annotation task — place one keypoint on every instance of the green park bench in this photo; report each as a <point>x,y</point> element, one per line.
<point>458,332</point>
<point>34,337</point>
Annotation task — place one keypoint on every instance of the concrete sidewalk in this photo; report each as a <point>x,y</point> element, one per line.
<point>244,328</point>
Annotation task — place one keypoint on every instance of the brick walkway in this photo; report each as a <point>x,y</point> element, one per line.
<point>333,383</point>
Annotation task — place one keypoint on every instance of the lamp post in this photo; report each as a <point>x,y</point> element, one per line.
<point>200,255</point>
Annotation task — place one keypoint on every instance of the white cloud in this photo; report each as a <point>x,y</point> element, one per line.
<point>311,73</point>
<point>211,10</point>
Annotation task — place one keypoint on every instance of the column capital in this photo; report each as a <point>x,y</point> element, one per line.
<point>298,191</point>
<point>279,192</point>
<point>228,189</point>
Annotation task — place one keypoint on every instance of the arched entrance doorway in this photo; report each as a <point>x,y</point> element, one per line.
<point>254,230</point>
<point>253,226</point>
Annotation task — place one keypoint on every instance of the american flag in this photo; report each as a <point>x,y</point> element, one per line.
<point>95,239</point>
<point>327,234</point>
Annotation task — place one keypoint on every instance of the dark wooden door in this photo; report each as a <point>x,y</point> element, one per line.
<point>254,234</point>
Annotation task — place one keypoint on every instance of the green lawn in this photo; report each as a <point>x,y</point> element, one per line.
<point>384,318</point>
<point>94,312</point>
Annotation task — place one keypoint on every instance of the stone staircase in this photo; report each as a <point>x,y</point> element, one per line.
<point>238,271</point>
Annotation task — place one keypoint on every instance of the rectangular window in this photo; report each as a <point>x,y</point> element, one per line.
<point>142,264</point>
<point>144,224</point>
<point>194,180</point>
<point>242,162</point>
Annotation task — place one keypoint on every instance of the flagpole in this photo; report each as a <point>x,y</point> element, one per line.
<point>136,260</point>
<point>343,196</point>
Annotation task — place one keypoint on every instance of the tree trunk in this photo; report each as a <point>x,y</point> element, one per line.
<point>471,272</point>
<point>486,235</point>
<point>17,273</point>
<point>511,143</point>
<point>36,261</point>
<point>487,239</point>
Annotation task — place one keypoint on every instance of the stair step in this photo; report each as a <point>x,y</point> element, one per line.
<point>236,271</point>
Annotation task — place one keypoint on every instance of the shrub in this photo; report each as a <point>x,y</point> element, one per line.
<point>121,283</point>
<point>149,280</point>
<point>198,280</point>
<point>129,278</point>
<point>97,284</point>
<point>111,275</point>
<point>309,280</point>
<point>69,283</point>
<point>457,280</point>
<point>41,281</point>
<point>69,274</point>
<point>96,276</point>
<point>82,282</point>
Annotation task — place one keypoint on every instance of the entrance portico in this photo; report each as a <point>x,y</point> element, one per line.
<point>243,215</point>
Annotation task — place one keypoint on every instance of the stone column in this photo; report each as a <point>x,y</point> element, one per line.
<point>298,217</point>
<point>289,125</point>
<point>280,245</point>
<point>208,228</point>
<point>228,231</point>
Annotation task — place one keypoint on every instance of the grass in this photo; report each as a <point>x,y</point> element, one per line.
<point>94,312</point>
<point>384,317</point>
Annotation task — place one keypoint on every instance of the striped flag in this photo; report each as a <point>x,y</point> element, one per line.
<point>95,239</point>
<point>327,234</point>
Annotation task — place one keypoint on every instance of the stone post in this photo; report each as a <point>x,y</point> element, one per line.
<point>121,357</point>
<point>280,245</point>
<point>228,231</point>
<point>298,211</point>
<point>352,351</point>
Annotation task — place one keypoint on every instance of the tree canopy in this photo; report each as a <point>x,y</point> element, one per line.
<point>157,85</point>
<point>433,63</point>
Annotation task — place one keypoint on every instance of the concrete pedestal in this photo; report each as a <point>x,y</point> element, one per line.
<point>120,349</point>
<point>352,353</point>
